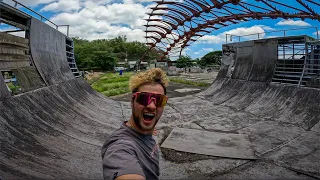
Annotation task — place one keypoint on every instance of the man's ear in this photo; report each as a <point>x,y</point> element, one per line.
<point>132,101</point>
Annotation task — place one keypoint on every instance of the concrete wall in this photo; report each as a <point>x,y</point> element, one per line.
<point>264,58</point>
<point>56,132</point>
<point>48,49</point>
<point>289,104</point>
<point>253,60</point>
<point>4,93</point>
<point>28,78</point>
<point>13,52</point>
<point>244,60</point>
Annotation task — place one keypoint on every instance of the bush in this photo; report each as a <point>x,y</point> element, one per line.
<point>117,91</point>
<point>183,81</point>
<point>111,84</point>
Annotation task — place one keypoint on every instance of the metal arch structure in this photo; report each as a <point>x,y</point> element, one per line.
<point>174,25</point>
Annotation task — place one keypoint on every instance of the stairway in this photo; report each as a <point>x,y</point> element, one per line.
<point>70,57</point>
<point>299,71</point>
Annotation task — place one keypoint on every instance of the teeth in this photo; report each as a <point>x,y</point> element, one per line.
<point>149,114</point>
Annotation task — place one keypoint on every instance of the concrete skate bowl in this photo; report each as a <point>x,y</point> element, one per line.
<point>55,129</point>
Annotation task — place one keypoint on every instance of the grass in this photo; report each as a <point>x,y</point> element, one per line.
<point>13,88</point>
<point>111,84</point>
<point>114,92</point>
<point>188,82</point>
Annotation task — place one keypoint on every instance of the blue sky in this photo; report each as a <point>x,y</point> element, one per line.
<point>98,19</point>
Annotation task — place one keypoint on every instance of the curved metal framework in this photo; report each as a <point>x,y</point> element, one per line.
<point>175,24</point>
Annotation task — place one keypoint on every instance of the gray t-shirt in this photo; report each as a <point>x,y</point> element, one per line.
<point>127,151</point>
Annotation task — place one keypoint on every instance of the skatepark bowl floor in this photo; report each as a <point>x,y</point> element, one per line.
<point>57,131</point>
<point>241,127</point>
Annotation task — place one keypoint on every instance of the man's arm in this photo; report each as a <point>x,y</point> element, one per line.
<point>130,177</point>
<point>120,162</point>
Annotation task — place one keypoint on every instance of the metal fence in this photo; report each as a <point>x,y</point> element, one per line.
<point>16,3</point>
<point>260,35</point>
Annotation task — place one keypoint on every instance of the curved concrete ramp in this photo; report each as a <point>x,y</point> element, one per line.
<point>56,132</point>
<point>48,49</point>
<point>4,93</point>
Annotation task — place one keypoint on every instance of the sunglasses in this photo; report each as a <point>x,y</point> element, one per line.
<point>145,98</point>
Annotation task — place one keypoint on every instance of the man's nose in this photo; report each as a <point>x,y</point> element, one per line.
<point>152,105</point>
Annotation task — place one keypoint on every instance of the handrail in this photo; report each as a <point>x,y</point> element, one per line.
<point>41,17</point>
<point>304,65</point>
<point>284,33</point>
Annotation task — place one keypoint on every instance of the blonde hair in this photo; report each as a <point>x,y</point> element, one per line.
<point>151,76</point>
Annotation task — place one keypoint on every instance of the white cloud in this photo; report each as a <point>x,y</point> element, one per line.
<point>315,33</point>
<point>272,36</point>
<point>291,22</point>
<point>62,5</point>
<point>29,2</point>
<point>98,1</point>
<point>138,1</point>
<point>196,53</point>
<point>11,28</point>
<point>20,34</point>
<point>96,21</point>
<point>267,28</point>
<point>220,38</point>
<point>211,39</point>
<point>207,49</point>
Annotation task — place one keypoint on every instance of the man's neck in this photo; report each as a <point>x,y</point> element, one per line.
<point>133,125</point>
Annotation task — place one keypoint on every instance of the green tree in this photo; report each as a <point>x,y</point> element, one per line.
<point>184,61</point>
<point>87,53</point>
<point>212,58</point>
<point>104,60</point>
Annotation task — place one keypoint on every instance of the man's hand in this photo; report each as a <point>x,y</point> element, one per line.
<point>154,132</point>
<point>130,177</point>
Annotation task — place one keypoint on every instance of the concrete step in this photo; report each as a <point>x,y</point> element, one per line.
<point>288,72</point>
<point>293,84</point>
<point>4,37</point>
<point>289,80</point>
<point>292,76</point>
<point>11,50</point>
<point>69,47</point>
<point>14,57</point>
<point>14,44</point>
<point>301,68</point>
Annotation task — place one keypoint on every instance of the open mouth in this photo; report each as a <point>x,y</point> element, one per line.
<point>148,116</point>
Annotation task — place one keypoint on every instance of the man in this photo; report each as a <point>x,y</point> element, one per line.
<point>131,152</point>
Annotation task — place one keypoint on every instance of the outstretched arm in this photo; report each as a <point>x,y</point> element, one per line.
<point>120,162</point>
<point>130,177</point>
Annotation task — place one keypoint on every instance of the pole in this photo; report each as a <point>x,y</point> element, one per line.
<point>304,64</point>
<point>226,38</point>
<point>317,33</point>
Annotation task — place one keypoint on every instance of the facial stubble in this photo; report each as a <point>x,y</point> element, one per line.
<point>136,120</point>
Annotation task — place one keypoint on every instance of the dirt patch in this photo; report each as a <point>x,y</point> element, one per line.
<point>89,76</point>
<point>173,86</point>
<point>182,157</point>
<point>170,92</point>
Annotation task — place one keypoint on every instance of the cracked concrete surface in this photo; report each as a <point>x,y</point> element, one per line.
<point>56,132</point>
<point>269,134</point>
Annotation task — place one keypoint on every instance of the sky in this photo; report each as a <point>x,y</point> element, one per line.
<point>104,19</point>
